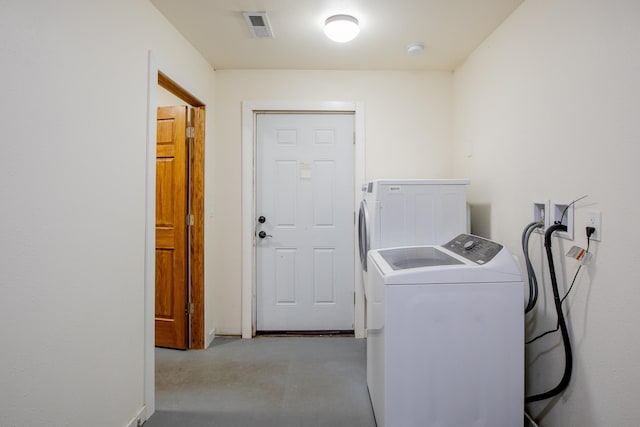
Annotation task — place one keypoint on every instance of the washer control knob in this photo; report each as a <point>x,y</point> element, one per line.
<point>469,244</point>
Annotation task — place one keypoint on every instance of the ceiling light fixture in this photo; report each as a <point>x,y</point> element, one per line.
<point>341,28</point>
<point>415,48</point>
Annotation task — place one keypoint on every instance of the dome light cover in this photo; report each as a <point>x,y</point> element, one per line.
<point>341,28</point>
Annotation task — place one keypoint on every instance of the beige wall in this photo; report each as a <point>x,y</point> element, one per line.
<point>407,126</point>
<point>166,98</point>
<point>557,77</point>
<point>72,217</point>
<point>547,108</point>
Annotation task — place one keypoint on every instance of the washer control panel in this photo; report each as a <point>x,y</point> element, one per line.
<point>474,248</point>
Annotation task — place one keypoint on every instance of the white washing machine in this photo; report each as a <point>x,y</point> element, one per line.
<point>408,212</point>
<point>445,335</point>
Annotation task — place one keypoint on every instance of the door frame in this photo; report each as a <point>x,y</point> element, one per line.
<point>156,74</point>
<point>195,240</point>
<point>249,277</point>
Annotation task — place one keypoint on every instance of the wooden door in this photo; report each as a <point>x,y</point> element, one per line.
<point>305,249</point>
<point>171,317</point>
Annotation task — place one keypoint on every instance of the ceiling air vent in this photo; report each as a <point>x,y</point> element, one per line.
<point>258,24</point>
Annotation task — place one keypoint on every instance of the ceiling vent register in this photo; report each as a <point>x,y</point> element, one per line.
<point>258,24</point>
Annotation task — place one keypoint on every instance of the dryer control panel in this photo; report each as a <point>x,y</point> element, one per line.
<point>474,248</point>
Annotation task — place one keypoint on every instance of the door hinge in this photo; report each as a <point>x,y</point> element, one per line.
<point>354,138</point>
<point>188,309</point>
<point>191,132</point>
<point>190,220</point>
<point>354,217</point>
<point>354,298</point>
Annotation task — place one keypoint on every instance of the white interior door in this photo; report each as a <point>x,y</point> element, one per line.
<point>305,257</point>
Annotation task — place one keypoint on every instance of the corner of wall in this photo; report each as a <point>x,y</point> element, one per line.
<point>209,338</point>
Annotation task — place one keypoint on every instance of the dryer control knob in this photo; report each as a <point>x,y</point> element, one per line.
<point>469,244</point>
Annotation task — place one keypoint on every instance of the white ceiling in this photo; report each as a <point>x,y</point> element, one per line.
<point>449,29</point>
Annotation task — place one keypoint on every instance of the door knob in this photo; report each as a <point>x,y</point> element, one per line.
<point>262,219</point>
<point>262,235</point>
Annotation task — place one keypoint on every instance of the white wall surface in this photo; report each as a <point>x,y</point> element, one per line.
<point>548,108</point>
<point>407,126</point>
<point>72,217</point>
<point>166,98</point>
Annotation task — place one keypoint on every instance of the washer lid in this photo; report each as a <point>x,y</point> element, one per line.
<point>432,265</point>
<point>416,257</point>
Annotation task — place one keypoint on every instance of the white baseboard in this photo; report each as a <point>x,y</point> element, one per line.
<point>210,336</point>
<point>528,421</point>
<point>139,419</point>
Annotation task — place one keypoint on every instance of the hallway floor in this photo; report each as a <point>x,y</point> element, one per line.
<point>266,381</point>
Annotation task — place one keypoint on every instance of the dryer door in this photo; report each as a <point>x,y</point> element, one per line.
<point>363,233</point>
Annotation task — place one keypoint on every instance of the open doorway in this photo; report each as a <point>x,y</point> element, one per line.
<point>156,78</point>
<point>179,297</point>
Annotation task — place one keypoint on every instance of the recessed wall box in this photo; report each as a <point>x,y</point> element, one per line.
<point>540,210</point>
<point>562,212</point>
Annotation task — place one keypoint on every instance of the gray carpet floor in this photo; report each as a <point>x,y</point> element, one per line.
<point>266,381</point>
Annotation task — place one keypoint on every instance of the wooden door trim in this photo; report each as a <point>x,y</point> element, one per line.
<point>167,83</point>
<point>197,229</point>
<point>196,182</point>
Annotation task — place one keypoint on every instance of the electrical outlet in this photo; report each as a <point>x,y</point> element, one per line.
<point>560,211</point>
<point>594,219</point>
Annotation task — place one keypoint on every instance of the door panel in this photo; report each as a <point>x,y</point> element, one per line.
<point>171,230</point>
<point>164,286</point>
<point>324,283</point>
<point>305,276</point>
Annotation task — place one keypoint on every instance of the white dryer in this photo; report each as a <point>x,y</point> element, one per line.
<point>445,335</point>
<point>407,212</point>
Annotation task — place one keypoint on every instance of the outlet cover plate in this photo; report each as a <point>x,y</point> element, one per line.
<point>594,219</point>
